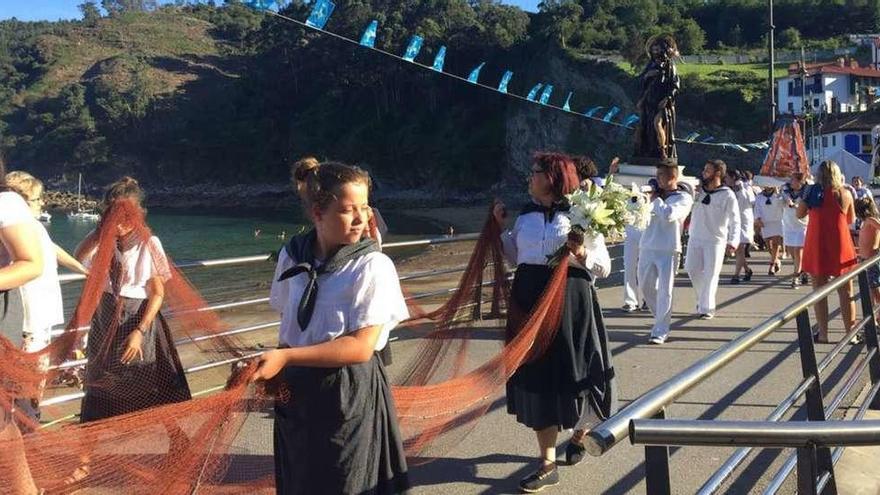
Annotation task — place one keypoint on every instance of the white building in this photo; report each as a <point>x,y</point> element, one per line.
<point>848,132</point>
<point>831,87</point>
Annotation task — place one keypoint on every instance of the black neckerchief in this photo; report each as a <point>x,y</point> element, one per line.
<point>768,196</point>
<point>680,189</point>
<point>299,249</point>
<point>707,199</point>
<point>561,206</point>
<point>794,195</point>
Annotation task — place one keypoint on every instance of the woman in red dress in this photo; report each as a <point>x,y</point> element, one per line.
<point>828,248</point>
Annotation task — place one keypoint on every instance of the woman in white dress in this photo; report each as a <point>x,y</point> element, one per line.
<point>794,229</point>
<point>769,208</point>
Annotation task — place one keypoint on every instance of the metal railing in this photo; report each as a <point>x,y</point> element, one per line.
<point>816,467</point>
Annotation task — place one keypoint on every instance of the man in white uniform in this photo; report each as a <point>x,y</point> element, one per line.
<point>715,224</point>
<point>660,246</point>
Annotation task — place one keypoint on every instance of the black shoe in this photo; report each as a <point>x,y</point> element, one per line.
<point>748,276</point>
<point>805,279</point>
<point>548,475</point>
<point>574,453</point>
<point>734,280</point>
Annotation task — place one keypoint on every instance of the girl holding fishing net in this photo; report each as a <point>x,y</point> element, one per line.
<point>339,297</point>
<point>569,384</point>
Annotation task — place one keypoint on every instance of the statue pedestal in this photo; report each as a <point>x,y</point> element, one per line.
<point>628,173</point>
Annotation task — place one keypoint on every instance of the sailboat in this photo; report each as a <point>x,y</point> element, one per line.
<point>81,214</point>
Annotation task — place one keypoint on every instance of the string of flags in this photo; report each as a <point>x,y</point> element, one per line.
<point>539,94</point>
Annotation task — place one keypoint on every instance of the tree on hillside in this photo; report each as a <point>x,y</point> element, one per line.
<point>116,7</point>
<point>790,38</point>
<point>561,19</point>
<point>690,37</point>
<point>90,12</point>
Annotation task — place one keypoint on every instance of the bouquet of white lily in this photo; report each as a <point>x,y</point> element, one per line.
<point>638,208</point>
<point>593,212</point>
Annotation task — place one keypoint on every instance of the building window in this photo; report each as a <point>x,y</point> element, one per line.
<point>816,103</point>
<point>824,142</point>
<point>790,107</point>
<point>790,87</point>
<point>867,147</point>
<point>816,142</point>
<point>833,141</point>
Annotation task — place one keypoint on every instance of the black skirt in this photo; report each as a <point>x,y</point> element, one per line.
<point>113,388</point>
<point>12,315</point>
<point>570,381</point>
<point>338,433</point>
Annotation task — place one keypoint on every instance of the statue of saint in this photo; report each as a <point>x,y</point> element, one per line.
<point>655,132</point>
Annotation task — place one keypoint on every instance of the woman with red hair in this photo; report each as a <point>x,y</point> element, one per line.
<point>570,385</point>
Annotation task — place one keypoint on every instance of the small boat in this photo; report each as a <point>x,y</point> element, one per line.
<point>82,214</point>
<point>45,217</point>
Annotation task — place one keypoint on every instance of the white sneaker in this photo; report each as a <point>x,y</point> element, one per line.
<point>629,309</point>
<point>707,316</point>
<point>657,340</point>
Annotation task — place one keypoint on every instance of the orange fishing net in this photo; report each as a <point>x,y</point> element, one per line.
<point>201,445</point>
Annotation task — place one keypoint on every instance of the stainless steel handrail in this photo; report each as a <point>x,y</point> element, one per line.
<point>610,432</point>
<point>240,260</point>
<point>754,433</point>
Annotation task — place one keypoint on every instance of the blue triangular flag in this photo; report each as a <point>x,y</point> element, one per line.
<point>534,91</point>
<point>545,95</point>
<point>413,48</point>
<point>611,113</point>
<point>505,79</point>
<point>368,39</point>
<point>707,139</point>
<point>260,4</point>
<point>475,74</point>
<point>591,112</point>
<point>320,14</point>
<point>691,137</point>
<point>566,105</point>
<point>440,59</point>
<point>630,120</point>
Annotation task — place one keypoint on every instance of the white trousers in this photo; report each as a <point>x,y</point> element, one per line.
<point>657,270</point>
<point>631,293</point>
<point>703,264</point>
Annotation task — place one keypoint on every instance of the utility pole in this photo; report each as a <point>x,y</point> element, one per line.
<point>770,43</point>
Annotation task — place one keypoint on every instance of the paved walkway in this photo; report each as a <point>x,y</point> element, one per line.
<point>499,451</point>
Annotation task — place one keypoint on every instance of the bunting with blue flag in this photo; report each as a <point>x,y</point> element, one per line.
<point>611,113</point>
<point>475,74</point>
<point>505,80</point>
<point>320,14</point>
<point>533,93</point>
<point>540,93</point>
<point>368,39</point>
<point>439,59</point>
<point>545,95</point>
<point>413,48</point>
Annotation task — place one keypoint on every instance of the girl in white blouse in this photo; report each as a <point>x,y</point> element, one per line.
<point>571,384</point>
<point>132,362</point>
<point>339,297</point>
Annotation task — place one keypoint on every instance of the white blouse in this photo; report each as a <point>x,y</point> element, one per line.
<point>13,211</point>
<point>139,264</point>
<point>365,292</point>
<point>770,213</point>
<point>532,240</point>
<point>43,307</point>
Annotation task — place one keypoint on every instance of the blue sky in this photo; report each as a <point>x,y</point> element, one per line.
<point>30,10</point>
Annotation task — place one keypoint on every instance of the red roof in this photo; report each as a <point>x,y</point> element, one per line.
<point>835,68</point>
